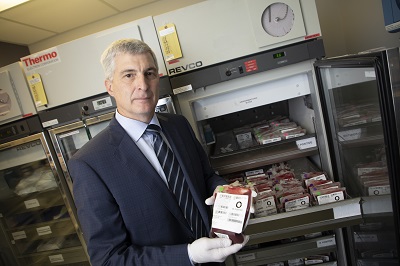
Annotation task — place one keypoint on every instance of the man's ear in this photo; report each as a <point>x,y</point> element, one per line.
<point>109,87</point>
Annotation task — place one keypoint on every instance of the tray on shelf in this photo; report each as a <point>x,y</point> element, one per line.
<point>261,155</point>
<point>33,217</point>
<point>67,256</point>
<point>54,228</point>
<point>33,201</point>
<point>284,252</point>
<point>309,220</point>
<point>360,135</point>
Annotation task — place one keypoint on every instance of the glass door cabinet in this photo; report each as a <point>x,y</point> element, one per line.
<point>35,215</point>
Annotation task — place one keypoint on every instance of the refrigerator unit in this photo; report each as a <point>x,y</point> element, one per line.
<point>36,214</point>
<point>225,115</point>
<point>229,88</point>
<point>37,222</point>
<point>360,95</point>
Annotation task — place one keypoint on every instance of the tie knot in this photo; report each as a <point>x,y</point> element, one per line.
<point>153,128</point>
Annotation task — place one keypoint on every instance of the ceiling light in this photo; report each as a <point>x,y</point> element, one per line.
<point>6,4</point>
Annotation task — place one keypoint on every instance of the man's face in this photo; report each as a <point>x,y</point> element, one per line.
<point>135,86</point>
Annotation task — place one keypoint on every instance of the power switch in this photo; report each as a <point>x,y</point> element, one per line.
<point>240,69</point>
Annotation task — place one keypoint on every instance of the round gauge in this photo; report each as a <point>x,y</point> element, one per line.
<point>277,19</point>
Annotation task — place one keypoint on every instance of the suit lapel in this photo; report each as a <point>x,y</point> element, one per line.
<point>140,167</point>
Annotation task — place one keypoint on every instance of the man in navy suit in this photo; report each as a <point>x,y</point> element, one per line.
<point>128,213</point>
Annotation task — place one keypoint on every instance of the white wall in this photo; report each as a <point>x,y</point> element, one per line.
<point>351,26</point>
<point>332,26</point>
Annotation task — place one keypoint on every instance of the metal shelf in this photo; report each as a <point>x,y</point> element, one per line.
<point>377,205</point>
<point>368,134</point>
<point>18,204</point>
<point>370,140</point>
<point>284,252</point>
<point>378,262</point>
<point>57,257</point>
<point>313,219</point>
<point>260,156</point>
<point>60,227</point>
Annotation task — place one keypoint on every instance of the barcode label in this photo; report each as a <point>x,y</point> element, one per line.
<point>45,230</point>
<point>56,258</point>
<point>229,212</point>
<point>379,190</point>
<point>19,235</point>
<point>33,203</point>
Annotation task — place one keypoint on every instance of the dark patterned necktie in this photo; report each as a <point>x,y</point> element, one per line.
<point>176,181</point>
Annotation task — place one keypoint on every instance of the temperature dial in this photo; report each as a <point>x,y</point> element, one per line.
<point>278,19</point>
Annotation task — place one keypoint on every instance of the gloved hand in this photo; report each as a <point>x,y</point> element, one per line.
<point>206,249</point>
<point>210,201</point>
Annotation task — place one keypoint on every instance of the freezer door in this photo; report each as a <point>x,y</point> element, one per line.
<point>356,112</point>
<point>34,215</point>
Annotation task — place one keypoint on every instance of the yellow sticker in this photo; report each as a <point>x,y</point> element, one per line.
<point>37,90</point>
<point>170,42</point>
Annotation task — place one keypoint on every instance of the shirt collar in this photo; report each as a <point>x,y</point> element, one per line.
<point>134,128</point>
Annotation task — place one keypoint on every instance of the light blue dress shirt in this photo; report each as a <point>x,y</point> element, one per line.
<point>136,130</point>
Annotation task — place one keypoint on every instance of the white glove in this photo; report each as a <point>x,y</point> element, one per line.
<point>205,249</point>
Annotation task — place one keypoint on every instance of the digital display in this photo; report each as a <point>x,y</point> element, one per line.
<point>279,55</point>
<point>101,102</point>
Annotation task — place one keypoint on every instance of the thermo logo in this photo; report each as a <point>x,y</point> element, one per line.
<point>41,59</point>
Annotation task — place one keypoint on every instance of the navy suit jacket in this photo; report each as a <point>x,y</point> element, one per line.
<point>127,214</point>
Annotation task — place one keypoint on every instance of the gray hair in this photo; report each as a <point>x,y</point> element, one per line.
<point>123,46</point>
